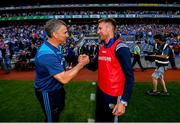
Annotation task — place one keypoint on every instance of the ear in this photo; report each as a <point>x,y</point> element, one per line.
<point>109,27</point>
<point>54,34</point>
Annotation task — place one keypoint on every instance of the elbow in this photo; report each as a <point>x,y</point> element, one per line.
<point>63,81</point>
<point>61,78</point>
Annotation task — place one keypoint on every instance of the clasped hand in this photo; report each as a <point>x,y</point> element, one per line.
<point>83,59</point>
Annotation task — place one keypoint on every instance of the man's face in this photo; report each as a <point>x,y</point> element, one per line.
<point>61,34</point>
<point>103,31</point>
<point>157,41</point>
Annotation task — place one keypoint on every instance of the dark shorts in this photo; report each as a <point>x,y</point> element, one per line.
<point>52,103</point>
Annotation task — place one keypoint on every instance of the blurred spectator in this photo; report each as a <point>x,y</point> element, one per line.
<point>32,53</point>
<point>172,57</point>
<point>1,60</point>
<point>23,61</point>
<point>136,56</point>
<point>176,48</point>
<point>6,56</point>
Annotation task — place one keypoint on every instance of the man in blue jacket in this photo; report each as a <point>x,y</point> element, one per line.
<point>50,70</point>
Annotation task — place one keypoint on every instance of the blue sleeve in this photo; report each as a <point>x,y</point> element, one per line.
<point>166,51</point>
<point>52,64</point>
<point>124,57</point>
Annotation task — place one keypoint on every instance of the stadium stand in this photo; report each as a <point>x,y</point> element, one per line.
<point>21,23</point>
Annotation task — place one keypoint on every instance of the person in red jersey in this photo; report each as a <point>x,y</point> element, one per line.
<point>115,74</point>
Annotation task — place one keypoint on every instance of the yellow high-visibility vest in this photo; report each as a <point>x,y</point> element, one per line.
<point>137,50</point>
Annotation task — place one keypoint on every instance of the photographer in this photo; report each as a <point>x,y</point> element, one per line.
<point>161,57</point>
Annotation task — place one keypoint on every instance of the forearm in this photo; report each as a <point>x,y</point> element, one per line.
<point>123,56</point>
<point>160,56</point>
<point>127,90</point>
<point>129,83</point>
<point>66,76</point>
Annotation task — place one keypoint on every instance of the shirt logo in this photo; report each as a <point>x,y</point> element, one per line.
<point>104,58</point>
<point>104,51</point>
<point>58,52</point>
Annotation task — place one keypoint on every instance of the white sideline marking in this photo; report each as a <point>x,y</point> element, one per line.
<point>92,96</point>
<point>91,120</point>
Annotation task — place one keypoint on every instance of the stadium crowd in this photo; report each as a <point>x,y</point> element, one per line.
<point>18,44</point>
<point>40,13</point>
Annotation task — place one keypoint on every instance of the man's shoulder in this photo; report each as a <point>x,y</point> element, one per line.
<point>121,45</point>
<point>44,50</point>
<point>166,47</point>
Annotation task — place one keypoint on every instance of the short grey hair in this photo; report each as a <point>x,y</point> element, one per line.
<point>52,26</point>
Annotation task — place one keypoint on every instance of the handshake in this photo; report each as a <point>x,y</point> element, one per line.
<point>83,59</point>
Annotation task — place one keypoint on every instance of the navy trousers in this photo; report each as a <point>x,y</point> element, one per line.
<point>104,106</point>
<point>52,103</point>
